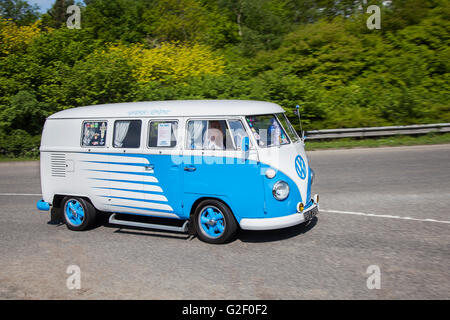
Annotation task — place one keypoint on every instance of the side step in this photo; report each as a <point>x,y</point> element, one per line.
<point>183,228</point>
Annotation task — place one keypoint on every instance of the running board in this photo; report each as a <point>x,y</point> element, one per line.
<point>183,228</point>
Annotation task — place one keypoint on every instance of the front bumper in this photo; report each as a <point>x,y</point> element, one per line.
<point>280,222</point>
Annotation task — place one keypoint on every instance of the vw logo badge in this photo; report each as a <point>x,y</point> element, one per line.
<point>300,167</point>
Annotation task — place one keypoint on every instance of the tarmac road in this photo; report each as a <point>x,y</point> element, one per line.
<point>388,207</point>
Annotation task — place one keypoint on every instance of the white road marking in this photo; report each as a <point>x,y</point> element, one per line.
<point>21,194</point>
<point>383,216</point>
<point>321,210</point>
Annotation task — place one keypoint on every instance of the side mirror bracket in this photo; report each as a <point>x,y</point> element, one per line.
<point>245,144</point>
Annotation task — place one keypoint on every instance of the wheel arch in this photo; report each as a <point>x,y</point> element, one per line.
<point>200,199</point>
<point>58,198</point>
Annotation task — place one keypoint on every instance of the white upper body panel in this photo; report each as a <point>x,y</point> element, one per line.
<point>175,108</point>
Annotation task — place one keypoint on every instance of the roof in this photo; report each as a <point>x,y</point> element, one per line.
<point>170,108</point>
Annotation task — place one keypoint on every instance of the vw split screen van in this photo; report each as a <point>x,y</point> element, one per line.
<point>204,166</point>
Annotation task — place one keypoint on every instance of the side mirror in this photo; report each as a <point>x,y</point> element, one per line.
<point>245,144</point>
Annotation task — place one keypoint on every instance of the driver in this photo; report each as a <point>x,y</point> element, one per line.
<point>214,136</point>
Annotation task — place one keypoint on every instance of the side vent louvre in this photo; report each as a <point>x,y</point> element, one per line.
<point>58,164</point>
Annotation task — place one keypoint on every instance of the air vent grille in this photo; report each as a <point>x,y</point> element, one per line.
<point>58,164</point>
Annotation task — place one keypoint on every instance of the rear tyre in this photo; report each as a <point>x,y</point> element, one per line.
<point>78,213</point>
<point>214,222</point>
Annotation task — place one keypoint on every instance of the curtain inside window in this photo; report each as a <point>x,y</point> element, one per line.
<point>196,128</point>
<point>120,132</point>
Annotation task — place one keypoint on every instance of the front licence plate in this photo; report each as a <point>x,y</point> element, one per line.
<point>311,213</point>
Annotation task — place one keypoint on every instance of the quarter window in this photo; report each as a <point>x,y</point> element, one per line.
<point>94,133</point>
<point>127,134</point>
<point>163,134</point>
<point>287,126</point>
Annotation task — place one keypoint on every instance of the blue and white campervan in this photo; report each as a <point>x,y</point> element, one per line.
<point>207,167</point>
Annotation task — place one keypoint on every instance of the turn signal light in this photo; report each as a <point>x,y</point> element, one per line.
<point>316,198</point>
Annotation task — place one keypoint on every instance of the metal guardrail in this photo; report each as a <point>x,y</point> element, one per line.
<point>376,131</point>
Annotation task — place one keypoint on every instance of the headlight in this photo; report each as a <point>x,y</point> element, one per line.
<point>280,190</point>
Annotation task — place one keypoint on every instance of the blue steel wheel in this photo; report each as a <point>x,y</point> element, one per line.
<point>74,212</point>
<point>214,221</point>
<point>78,213</point>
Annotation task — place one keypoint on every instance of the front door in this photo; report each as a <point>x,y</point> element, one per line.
<point>215,166</point>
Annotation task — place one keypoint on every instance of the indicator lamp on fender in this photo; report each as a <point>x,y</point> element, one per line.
<point>270,173</point>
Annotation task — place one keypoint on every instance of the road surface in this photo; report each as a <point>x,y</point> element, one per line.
<point>384,207</point>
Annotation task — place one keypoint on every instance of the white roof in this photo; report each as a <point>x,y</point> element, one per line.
<point>170,108</point>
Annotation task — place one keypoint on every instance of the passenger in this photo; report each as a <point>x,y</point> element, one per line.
<point>214,136</point>
<point>275,133</point>
<point>277,136</point>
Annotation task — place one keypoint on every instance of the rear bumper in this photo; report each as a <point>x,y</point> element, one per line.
<point>42,205</point>
<point>280,222</point>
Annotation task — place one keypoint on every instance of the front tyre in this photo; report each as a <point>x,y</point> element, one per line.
<point>214,222</point>
<point>78,213</point>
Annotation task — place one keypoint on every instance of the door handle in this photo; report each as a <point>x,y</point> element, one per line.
<point>190,168</point>
<point>149,167</point>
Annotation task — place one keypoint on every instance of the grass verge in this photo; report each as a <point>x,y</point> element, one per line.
<point>8,158</point>
<point>347,143</point>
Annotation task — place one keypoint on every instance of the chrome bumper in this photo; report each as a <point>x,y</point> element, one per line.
<point>280,222</point>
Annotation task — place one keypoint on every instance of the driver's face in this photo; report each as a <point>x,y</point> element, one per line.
<point>214,125</point>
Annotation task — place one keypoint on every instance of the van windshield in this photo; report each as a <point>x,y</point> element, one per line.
<point>267,130</point>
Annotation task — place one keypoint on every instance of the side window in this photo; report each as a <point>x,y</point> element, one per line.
<point>127,134</point>
<point>208,135</point>
<point>162,134</point>
<point>237,132</point>
<point>94,133</point>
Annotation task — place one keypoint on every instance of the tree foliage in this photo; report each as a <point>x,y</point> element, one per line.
<point>318,54</point>
<point>56,16</point>
<point>14,38</point>
<point>19,11</point>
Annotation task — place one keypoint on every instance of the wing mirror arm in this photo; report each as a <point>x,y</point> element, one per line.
<point>297,111</point>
